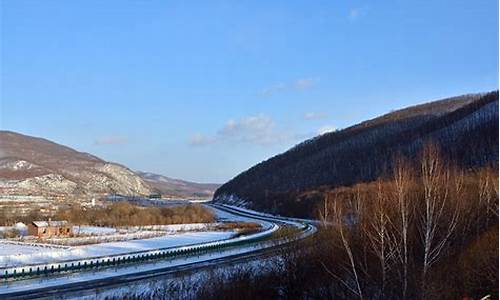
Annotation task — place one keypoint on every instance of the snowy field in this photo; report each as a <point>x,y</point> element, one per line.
<point>183,286</point>
<point>19,254</point>
<point>140,245</point>
<point>26,254</point>
<point>178,227</point>
<point>93,230</point>
<point>138,239</point>
<point>82,277</point>
<point>222,215</point>
<point>111,272</point>
<point>7,249</point>
<point>180,239</point>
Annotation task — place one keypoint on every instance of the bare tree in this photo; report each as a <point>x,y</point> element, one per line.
<point>468,209</point>
<point>402,181</point>
<point>323,212</point>
<point>488,194</point>
<point>357,204</point>
<point>379,235</point>
<point>439,218</point>
<point>339,225</point>
<point>494,202</point>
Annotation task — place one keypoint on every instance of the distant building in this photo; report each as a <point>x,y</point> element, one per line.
<point>45,229</point>
<point>155,196</point>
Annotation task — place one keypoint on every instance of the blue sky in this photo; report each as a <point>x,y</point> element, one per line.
<point>202,90</point>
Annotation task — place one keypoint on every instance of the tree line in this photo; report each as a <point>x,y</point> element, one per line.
<point>430,231</point>
<point>427,231</point>
<point>125,214</point>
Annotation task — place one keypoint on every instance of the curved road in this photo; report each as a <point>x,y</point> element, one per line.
<point>89,287</point>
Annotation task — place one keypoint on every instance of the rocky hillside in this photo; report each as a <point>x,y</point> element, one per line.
<point>465,128</point>
<point>35,166</point>
<point>176,188</point>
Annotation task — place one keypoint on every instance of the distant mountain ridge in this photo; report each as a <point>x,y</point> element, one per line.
<point>177,188</point>
<point>465,128</point>
<point>36,166</point>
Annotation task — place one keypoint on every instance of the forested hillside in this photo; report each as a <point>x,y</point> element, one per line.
<point>465,128</point>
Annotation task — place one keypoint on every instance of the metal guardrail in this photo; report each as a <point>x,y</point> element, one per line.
<point>170,253</point>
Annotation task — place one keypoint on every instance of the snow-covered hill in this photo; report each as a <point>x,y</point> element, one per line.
<point>177,188</point>
<point>35,166</point>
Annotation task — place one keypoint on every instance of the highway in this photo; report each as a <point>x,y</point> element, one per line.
<point>68,289</point>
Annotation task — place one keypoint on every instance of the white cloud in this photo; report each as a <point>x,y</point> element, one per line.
<point>111,140</point>
<point>257,130</point>
<point>199,139</point>
<point>356,13</point>
<point>326,129</point>
<point>298,85</point>
<point>273,89</point>
<point>315,116</point>
<point>305,83</point>
<point>353,13</point>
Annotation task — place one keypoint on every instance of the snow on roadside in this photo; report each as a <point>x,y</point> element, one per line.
<point>35,283</point>
<point>19,254</point>
<point>179,227</point>
<point>137,240</point>
<point>94,230</point>
<point>258,213</point>
<point>21,228</point>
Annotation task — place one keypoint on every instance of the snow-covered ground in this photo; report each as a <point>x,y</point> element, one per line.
<point>180,239</point>
<point>179,227</point>
<point>111,272</point>
<point>139,245</point>
<point>122,235</point>
<point>246,210</point>
<point>138,239</point>
<point>24,254</point>
<point>16,286</point>
<point>184,286</point>
<point>21,228</point>
<point>222,215</point>
<point>7,249</point>
<point>93,230</point>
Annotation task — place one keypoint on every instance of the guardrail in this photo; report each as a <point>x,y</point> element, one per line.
<point>274,217</point>
<point>262,216</point>
<point>132,257</point>
<point>170,253</point>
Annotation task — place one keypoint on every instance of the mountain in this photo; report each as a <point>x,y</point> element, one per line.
<point>464,127</point>
<point>176,188</point>
<point>36,166</point>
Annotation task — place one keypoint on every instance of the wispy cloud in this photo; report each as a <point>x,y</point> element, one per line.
<point>315,116</point>
<point>273,89</point>
<point>353,13</point>
<point>111,140</point>
<point>305,83</point>
<point>257,130</point>
<point>326,129</point>
<point>199,139</point>
<point>356,13</point>
<point>300,84</point>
